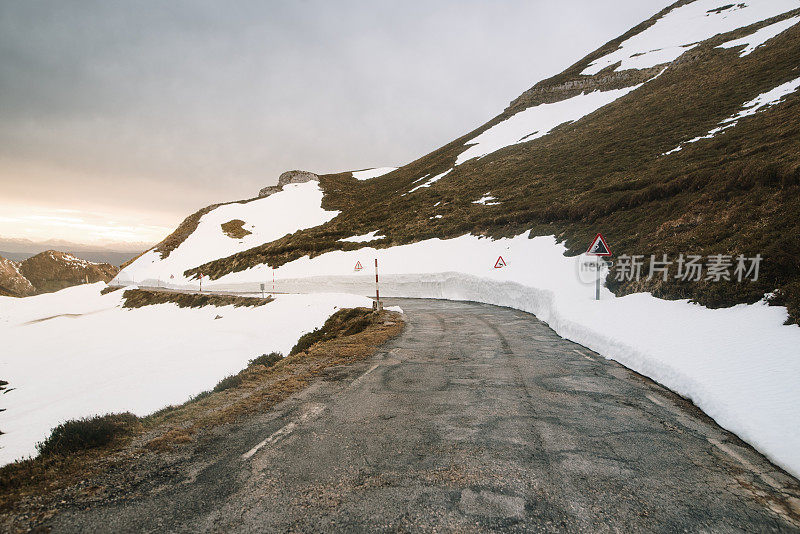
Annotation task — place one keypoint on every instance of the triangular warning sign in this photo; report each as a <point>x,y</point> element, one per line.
<point>358,266</point>
<point>599,247</point>
<point>499,263</point>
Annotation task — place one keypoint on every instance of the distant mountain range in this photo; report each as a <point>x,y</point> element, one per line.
<point>115,253</point>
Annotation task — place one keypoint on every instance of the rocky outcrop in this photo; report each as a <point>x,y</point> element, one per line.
<point>289,177</point>
<point>546,92</point>
<point>12,282</point>
<point>52,270</point>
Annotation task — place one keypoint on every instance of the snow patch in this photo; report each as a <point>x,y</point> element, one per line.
<point>538,121</point>
<point>751,107</point>
<point>371,236</point>
<point>685,27</point>
<point>430,182</point>
<point>486,200</point>
<point>759,37</point>
<point>372,173</point>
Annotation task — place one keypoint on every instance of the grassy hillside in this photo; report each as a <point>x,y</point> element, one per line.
<point>737,193</point>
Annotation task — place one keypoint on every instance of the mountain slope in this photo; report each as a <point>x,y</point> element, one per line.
<point>680,137</point>
<point>12,282</point>
<point>605,162</point>
<point>49,271</point>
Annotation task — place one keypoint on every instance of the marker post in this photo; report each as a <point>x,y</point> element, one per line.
<point>597,282</point>
<point>378,305</point>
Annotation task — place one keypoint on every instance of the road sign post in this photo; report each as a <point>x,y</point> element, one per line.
<point>598,248</point>
<point>262,290</point>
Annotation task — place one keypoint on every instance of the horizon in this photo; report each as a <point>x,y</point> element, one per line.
<point>224,100</point>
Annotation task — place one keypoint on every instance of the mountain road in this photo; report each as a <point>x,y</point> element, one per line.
<point>476,418</point>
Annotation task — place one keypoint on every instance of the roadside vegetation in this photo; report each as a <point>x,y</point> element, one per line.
<point>78,454</point>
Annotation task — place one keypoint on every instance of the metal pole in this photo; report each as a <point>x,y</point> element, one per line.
<point>377,291</point>
<point>273,280</point>
<point>597,282</point>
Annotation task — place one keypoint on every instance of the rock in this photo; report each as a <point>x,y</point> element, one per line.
<point>289,177</point>
<point>12,281</point>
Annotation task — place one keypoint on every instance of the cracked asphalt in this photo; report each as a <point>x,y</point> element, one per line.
<point>476,418</point>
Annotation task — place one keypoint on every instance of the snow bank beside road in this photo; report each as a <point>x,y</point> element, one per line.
<point>740,365</point>
<point>77,353</point>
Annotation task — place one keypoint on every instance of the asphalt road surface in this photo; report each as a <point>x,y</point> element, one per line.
<point>476,418</point>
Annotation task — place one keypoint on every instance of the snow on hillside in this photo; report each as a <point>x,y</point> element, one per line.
<point>429,182</point>
<point>538,121</point>
<point>366,174</point>
<point>370,236</point>
<point>684,27</point>
<point>295,208</point>
<point>759,37</point>
<point>770,98</point>
<point>740,365</point>
<point>77,353</point>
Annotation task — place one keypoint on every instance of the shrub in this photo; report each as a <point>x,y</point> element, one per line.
<point>344,322</point>
<point>87,433</point>
<point>306,340</point>
<point>228,382</point>
<point>267,360</point>
<point>200,396</point>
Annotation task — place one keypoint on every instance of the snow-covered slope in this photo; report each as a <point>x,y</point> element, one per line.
<point>294,208</point>
<point>77,353</point>
<point>686,26</point>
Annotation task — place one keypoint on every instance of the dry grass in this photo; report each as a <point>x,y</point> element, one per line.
<point>233,229</point>
<point>31,488</point>
<point>137,298</point>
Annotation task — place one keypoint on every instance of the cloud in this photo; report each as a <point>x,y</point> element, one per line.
<point>164,107</point>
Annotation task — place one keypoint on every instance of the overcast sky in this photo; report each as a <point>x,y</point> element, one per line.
<point>118,119</point>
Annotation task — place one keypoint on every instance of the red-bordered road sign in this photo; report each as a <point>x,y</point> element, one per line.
<point>599,247</point>
<point>358,266</point>
<point>500,263</point>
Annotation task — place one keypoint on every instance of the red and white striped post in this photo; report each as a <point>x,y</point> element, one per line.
<point>378,306</point>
